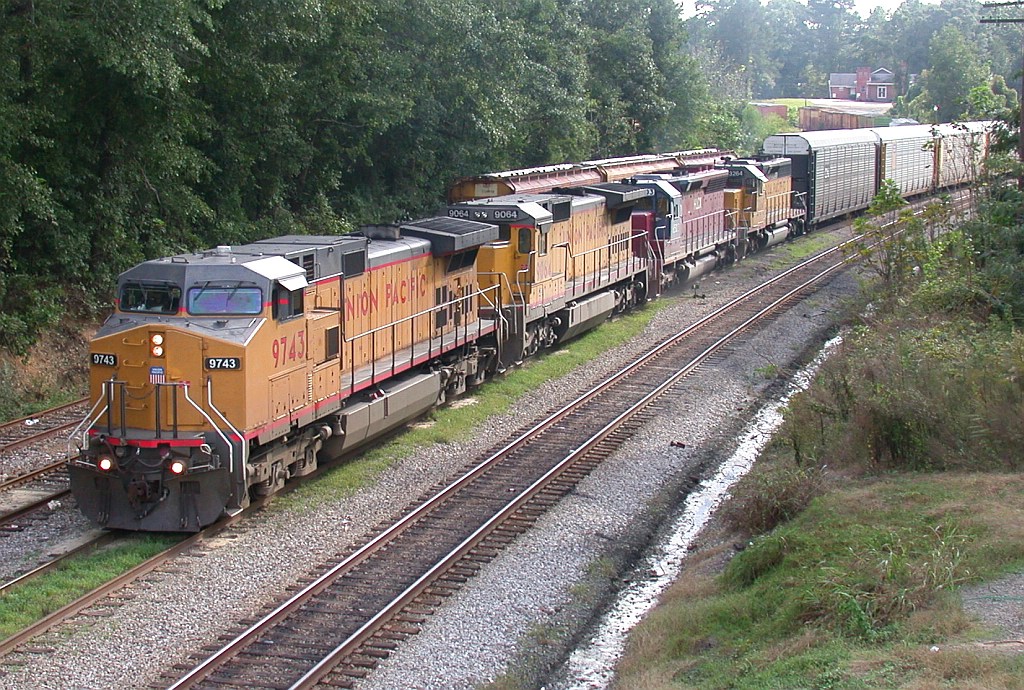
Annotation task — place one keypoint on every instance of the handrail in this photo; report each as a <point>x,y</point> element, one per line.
<point>503,277</point>
<point>99,400</point>
<point>244,446</point>
<point>231,451</point>
<point>495,305</point>
<point>425,312</point>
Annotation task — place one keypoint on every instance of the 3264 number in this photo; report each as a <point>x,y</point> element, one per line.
<point>289,348</point>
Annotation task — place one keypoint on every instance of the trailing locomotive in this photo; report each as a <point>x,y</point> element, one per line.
<point>224,373</point>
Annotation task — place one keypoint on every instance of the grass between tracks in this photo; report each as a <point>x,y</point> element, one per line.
<point>451,423</point>
<point>24,605</point>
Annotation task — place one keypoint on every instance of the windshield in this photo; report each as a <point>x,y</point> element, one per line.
<point>206,301</point>
<point>152,298</point>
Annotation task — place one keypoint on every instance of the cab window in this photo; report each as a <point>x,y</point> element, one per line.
<point>150,298</point>
<point>287,303</point>
<point>525,240</point>
<point>216,300</point>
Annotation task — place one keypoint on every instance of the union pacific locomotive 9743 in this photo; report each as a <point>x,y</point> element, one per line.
<point>222,374</point>
<point>219,375</point>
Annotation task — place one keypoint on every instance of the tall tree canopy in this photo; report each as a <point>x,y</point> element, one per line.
<point>136,128</point>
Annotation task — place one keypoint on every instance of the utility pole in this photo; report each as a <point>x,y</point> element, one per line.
<point>1020,100</point>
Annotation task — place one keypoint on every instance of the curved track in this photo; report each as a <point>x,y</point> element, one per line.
<point>334,628</point>
<point>505,493</point>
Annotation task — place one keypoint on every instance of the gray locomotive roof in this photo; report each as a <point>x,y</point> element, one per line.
<point>802,143</point>
<point>539,210</point>
<point>502,209</point>
<point>381,252</point>
<point>738,167</point>
<point>450,235</point>
<point>617,194</point>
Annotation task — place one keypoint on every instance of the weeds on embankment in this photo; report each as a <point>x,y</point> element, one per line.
<point>894,481</point>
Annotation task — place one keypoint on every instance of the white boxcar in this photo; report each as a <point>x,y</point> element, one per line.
<point>835,170</point>
<point>907,157</point>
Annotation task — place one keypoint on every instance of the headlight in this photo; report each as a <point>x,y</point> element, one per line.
<point>156,344</point>
<point>177,467</point>
<point>105,463</point>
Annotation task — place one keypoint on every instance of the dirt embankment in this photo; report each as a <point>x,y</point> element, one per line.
<point>56,368</point>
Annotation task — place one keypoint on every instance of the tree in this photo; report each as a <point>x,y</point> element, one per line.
<point>955,69</point>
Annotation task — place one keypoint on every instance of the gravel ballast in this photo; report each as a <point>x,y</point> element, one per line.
<point>528,605</point>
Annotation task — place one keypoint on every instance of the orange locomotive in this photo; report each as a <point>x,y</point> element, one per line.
<point>221,374</point>
<point>563,262</point>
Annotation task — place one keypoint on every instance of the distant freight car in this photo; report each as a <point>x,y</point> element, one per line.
<point>838,172</point>
<point>547,178</point>
<point>907,157</point>
<point>834,170</point>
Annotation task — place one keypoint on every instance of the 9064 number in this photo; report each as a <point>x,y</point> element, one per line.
<point>219,363</point>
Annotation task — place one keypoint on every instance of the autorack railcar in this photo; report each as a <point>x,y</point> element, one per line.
<point>838,172</point>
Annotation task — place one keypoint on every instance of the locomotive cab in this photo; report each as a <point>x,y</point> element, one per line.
<point>171,387</point>
<point>660,215</point>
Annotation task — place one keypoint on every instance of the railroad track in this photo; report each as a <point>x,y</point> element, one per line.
<point>379,632</point>
<point>20,432</point>
<point>32,491</point>
<point>40,486</point>
<point>88,545</point>
<point>339,625</point>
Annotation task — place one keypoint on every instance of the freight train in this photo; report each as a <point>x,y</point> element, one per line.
<point>222,374</point>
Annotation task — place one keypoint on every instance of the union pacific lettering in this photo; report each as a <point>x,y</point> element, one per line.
<point>367,301</point>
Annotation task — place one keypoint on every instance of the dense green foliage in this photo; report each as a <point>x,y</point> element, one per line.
<point>135,129</point>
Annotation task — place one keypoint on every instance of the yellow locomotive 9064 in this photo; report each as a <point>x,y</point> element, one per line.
<point>221,374</point>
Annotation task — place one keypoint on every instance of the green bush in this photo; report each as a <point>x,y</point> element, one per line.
<point>767,498</point>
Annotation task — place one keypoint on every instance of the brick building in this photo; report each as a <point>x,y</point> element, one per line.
<point>863,85</point>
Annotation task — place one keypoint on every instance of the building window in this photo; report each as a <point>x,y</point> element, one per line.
<point>883,92</point>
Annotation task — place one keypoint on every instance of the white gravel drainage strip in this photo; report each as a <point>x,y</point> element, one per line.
<point>592,665</point>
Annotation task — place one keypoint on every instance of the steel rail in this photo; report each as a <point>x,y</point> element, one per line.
<point>360,637</point>
<point>241,641</point>
<point>91,545</point>
<point>17,425</point>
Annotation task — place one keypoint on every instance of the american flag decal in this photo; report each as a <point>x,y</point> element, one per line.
<point>157,375</point>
